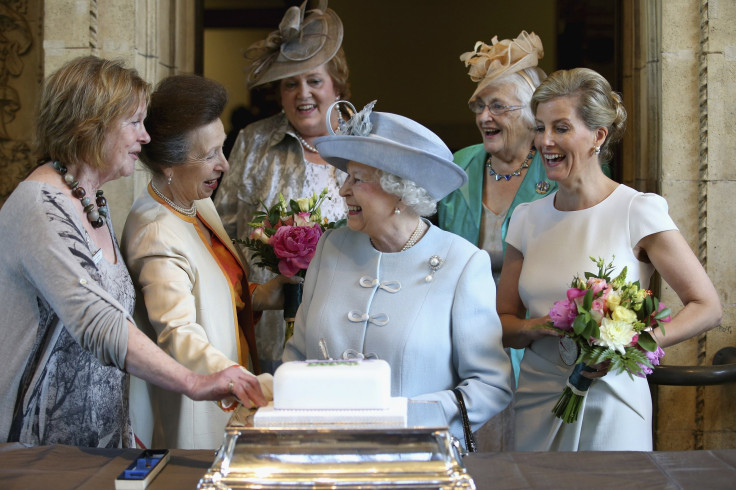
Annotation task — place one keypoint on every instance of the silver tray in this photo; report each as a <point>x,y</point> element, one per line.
<point>419,456</point>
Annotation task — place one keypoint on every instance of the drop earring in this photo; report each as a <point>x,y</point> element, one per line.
<point>168,181</point>
<point>397,211</point>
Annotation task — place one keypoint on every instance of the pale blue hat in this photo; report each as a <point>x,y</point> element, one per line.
<point>395,144</point>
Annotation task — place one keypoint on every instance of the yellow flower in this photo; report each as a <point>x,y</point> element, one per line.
<point>623,314</point>
<point>613,300</point>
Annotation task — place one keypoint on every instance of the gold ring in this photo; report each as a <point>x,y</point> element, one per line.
<point>230,387</point>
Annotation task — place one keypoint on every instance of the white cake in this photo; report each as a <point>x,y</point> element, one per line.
<point>334,385</point>
<point>333,394</point>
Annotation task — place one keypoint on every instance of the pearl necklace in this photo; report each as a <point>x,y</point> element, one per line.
<point>304,143</point>
<point>191,212</point>
<point>414,236</point>
<point>525,164</point>
<point>97,216</point>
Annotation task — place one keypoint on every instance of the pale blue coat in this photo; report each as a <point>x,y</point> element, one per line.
<point>435,335</point>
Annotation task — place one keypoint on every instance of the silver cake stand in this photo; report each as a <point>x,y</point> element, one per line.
<point>422,455</point>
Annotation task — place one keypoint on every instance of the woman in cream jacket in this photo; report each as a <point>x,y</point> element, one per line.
<point>197,302</point>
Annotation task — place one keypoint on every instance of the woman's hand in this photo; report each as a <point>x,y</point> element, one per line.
<point>525,331</point>
<point>518,332</point>
<point>147,361</point>
<point>270,295</point>
<point>600,370</point>
<point>245,387</point>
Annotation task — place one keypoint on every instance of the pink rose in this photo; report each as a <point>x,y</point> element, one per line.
<point>563,314</point>
<point>598,309</point>
<point>596,284</point>
<point>295,246</point>
<point>260,235</point>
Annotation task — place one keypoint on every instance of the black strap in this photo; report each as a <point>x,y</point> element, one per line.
<point>469,439</point>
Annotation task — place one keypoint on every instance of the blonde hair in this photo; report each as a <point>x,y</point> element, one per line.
<point>596,104</point>
<point>80,102</point>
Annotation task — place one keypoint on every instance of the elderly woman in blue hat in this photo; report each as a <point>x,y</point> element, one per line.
<point>393,286</point>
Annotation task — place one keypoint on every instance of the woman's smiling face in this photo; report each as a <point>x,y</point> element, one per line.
<point>563,139</point>
<point>368,204</point>
<point>505,132</point>
<point>197,179</point>
<point>306,99</point>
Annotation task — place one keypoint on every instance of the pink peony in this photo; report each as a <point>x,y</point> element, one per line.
<point>295,246</point>
<point>563,314</point>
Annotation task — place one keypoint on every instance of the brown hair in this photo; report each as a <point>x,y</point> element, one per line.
<point>179,105</point>
<point>79,104</point>
<point>337,67</point>
<point>596,104</point>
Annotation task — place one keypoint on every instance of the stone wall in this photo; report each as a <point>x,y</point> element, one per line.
<point>680,93</point>
<point>156,37</point>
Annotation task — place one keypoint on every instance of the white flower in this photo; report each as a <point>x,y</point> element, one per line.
<point>616,334</point>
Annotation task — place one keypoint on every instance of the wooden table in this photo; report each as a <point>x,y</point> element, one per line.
<point>60,467</point>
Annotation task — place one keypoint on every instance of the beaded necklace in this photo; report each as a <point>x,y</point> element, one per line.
<point>414,236</point>
<point>525,164</point>
<point>304,143</point>
<point>191,212</point>
<point>97,216</point>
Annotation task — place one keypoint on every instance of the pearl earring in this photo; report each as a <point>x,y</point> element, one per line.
<point>397,211</point>
<point>168,181</point>
<point>596,150</point>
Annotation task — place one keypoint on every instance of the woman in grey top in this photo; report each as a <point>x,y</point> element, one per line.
<point>68,336</point>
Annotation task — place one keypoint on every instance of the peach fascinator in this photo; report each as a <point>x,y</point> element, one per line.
<point>488,63</point>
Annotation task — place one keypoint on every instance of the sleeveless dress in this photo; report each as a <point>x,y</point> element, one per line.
<point>617,412</point>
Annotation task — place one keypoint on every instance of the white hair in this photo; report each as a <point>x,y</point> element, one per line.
<point>523,90</point>
<point>412,195</point>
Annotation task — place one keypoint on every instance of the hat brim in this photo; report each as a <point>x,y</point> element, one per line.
<point>284,68</point>
<point>439,176</point>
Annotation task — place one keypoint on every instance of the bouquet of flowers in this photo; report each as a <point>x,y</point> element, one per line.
<point>284,239</point>
<point>604,320</point>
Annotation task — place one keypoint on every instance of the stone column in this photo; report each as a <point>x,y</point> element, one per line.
<point>157,37</point>
<point>680,91</point>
